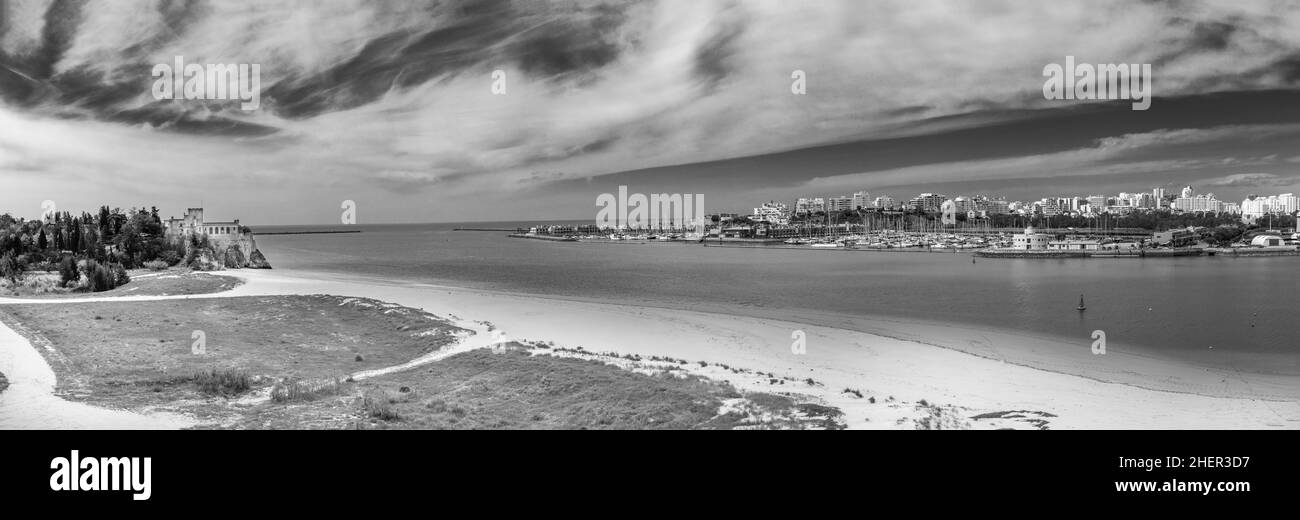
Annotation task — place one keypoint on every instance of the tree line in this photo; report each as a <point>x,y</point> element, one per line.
<point>99,246</point>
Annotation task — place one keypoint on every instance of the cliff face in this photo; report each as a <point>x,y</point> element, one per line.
<point>237,252</point>
<point>241,252</point>
<point>257,261</point>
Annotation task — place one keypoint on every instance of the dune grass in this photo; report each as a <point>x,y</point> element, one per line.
<point>507,388</point>
<point>139,353</point>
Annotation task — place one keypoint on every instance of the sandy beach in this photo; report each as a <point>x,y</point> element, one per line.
<point>978,378</point>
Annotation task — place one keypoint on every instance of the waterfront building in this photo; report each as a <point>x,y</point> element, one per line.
<point>808,205</point>
<point>838,204</point>
<point>998,207</point>
<point>1176,237</point>
<point>1267,241</point>
<point>861,200</point>
<point>1030,240</point>
<point>884,202</point>
<point>1074,245</point>
<point>963,205</point>
<point>193,223</point>
<point>1048,207</point>
<point>772,212</point>
<point>927,202</point>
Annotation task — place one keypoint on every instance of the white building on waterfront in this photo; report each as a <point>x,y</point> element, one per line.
<point>838,204</point>
<point>861,200</point>
<point>1030,240</point>
<point>772,212</point>
<point>807,205</point>
<point>1074,245</point>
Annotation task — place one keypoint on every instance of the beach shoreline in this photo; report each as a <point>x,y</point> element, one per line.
<point>911,365</point>
<point>978,373</point>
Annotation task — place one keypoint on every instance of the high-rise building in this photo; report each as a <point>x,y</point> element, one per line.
<point>927,202</point>
<point>884,202</point>
<point>861,200</point>
<point>998,207</point>
<point>1255,206</point>
<point>807,205</point>
<point>1199,203</point>
<point>1047,207</point>
<point>1288,203</point>
<point>838,204</point>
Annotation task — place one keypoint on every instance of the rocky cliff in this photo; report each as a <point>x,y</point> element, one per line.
<point>239,252</point>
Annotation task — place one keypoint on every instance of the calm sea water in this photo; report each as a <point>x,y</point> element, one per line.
<point>1245,308</point>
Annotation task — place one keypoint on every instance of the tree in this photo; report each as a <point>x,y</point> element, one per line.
<point>74,237</point>
<point>40,242</point>
<point>10,268</point>
<point>68,273</point>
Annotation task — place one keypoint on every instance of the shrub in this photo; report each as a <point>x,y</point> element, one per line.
<point>10,268</point>
<point>98,277</point>
<point>156,265</point>
<point>120,276</point>
<point>171,257</point>
<point>104,277</point>
<point>225,382</point>
<point>305,390</point>
<point>68,273</point>
<point>32,285</point>
<point>376,404</point>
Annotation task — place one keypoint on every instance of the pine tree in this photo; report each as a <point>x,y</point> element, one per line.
<point>74,237</point>
<point>40,242</point>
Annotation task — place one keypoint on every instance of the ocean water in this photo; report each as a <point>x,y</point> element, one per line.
<point>1224,312</point>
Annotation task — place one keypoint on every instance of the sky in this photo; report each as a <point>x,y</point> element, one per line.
<point>391,104</point>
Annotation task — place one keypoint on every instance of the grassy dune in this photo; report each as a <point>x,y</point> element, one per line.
<point>282,362</point>
<point>509,388</point>
<point>142,353</point>
<point>143,283</point>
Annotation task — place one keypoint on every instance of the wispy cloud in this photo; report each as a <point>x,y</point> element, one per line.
<point>1254,180</point>
<point>392,100</point>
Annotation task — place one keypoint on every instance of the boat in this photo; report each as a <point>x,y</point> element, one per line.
<point>1081,306</point>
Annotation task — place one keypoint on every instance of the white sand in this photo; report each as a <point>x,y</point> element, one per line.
<point>1115,391</point>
